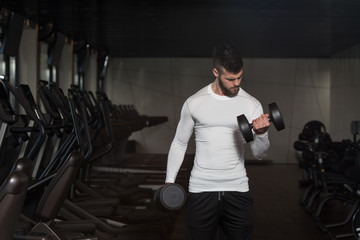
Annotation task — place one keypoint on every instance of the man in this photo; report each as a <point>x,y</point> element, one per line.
<point>219,194</point>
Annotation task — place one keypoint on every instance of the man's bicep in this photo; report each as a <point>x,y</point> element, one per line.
<point>186,125</point>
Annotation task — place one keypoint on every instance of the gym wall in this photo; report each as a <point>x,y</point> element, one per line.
<point>28,64</point>
<point>27,59</point>
<point>159,86</point>
<point>65,66</point>
<point>91,74</point>
<point>305,89</point>
<point>345,87</point>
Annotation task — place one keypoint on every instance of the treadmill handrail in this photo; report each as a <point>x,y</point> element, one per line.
<point>41,137</point>
<point>6,115</point>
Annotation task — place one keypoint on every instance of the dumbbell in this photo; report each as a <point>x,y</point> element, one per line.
<point>171,196</point>
<point>275,117</point>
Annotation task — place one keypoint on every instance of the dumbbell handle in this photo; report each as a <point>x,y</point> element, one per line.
<point>252,126</point>
<point>274,114</point>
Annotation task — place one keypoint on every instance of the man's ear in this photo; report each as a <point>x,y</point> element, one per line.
<point>215,72</point>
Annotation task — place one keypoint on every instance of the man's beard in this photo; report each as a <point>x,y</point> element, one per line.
<point>228,92</point>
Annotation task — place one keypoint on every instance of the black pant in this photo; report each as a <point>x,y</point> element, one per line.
<point>230,212</point>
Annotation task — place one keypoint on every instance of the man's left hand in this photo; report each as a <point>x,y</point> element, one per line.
<point>261,124</point>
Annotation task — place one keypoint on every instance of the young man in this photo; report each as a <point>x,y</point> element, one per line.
<point>219,194</point>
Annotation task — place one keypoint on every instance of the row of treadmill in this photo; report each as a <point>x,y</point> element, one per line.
<point>66,173</point>
<point>331,179</point>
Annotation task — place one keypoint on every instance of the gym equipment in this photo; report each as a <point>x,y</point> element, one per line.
<point>170,197</point>
<point>355,129</point>
<point>246,127</point>
<point>356,224</point>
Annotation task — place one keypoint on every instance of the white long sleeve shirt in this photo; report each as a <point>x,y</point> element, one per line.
<point>219,157</point>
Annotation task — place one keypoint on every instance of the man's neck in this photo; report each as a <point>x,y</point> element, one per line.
<point>216,88</point>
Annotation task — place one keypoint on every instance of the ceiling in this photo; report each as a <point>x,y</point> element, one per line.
<point>166,28</point>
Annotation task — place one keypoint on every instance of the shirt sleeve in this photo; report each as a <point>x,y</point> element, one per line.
<point>179,144</point>
<point>261,143</point>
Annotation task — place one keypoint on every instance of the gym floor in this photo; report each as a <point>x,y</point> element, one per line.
<point>278,214</point>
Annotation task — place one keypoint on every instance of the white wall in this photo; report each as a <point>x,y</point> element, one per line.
<point>159,86</point>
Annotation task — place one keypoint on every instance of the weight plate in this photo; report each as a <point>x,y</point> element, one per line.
<point>276,116</point>
<point>245,128</point>
<point>172,196</point>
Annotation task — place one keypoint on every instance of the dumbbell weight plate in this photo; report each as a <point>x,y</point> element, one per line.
<point>245,128</point>
<point>276,117</point>
<point>170,197</point>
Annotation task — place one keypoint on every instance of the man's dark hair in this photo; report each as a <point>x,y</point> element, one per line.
<point>228,57</point>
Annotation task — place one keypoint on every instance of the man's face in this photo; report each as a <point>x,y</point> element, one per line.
<point>229,82</point>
